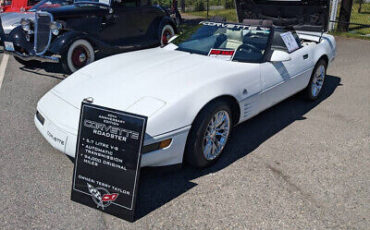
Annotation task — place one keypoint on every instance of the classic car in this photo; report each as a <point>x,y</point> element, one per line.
<point>220,74</point>
<point>18,5</point>
<point>11,20</point>
<point>72,34</point>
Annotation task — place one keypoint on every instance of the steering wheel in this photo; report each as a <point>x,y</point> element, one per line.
<point>248,47</point>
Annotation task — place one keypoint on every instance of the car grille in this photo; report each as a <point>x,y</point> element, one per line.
<point>42,32</point>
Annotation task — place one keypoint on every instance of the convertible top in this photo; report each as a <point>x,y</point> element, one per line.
<point>306,15</point>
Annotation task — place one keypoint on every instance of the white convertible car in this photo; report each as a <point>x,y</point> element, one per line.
<point>193,90</point>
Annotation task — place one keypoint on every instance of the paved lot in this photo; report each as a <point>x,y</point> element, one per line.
<point>299,165</point>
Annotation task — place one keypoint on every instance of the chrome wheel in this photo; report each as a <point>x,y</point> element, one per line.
<point>318,80</point>
<point>216,135</point>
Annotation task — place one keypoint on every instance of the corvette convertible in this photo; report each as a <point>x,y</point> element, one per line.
<point>195,89</point>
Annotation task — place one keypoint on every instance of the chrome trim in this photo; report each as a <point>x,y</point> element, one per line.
<point>42,58</point>
<point>36,28</point>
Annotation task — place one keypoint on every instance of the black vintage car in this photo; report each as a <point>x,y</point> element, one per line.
<point>73,34</point>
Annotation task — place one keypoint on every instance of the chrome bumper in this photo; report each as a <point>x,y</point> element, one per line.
<point>41,58</point>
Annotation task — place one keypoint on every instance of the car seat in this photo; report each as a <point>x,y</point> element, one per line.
<point>234,39</point>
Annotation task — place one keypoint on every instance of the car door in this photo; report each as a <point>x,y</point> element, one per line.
<point>121,26</point>
<point>283,79</point>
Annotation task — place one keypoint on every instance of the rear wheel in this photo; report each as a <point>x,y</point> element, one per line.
<point>209,134</point>
<point>317,80</point>
<point>167,32</point>
<point>79,54</point>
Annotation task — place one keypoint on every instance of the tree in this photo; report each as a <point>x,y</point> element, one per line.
<point>345,15</point>
<point>182,6</point>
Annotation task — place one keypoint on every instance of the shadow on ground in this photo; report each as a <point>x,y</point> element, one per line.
<point>160,185</point>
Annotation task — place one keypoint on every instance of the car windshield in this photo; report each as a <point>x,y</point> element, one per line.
<point>45,4</point>
<point>103,2</point>
<point>242,43</point>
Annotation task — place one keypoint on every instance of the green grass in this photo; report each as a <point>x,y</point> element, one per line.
<point>229,14</point>
<point>361,18</point>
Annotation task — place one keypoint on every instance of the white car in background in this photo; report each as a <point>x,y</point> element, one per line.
<point>194,90</point>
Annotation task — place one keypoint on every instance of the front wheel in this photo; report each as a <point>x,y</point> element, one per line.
<point>209,134</point>
<point>79,54</point>
<point>167,32</point>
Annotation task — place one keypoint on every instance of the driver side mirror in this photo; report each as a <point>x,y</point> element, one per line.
<point>280,56</point>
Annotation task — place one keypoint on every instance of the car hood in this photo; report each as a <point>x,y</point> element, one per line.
<point>144,81</point>
<point>11,20</point>
<point>304,15</point>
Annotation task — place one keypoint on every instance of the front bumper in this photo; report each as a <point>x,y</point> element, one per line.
<point>50,59</point>
<point>65,141</point>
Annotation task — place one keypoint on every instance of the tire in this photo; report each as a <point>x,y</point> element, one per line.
<point>317,80</point>
<point>195,150</point>
<point>79,54</point>
<point>166,32</point>
<point>26,63</point>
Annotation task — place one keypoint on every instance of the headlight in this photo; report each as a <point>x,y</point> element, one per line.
<point>26,24</point>
<point>55,27</point>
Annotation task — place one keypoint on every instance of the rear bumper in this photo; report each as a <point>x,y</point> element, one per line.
<point>50,59</point>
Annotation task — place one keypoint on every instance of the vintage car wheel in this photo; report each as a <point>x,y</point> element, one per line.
<point>167,32</point>
<point>317,80</point>
<point>209,134</point>
<point>79,54</point>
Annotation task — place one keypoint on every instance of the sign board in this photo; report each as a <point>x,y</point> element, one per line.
<point>107,162</point>
<point>226,55</point>
<point>289,41</point>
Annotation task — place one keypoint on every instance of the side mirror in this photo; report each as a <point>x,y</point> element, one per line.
<point>172,38</point>
<point>280,56</point>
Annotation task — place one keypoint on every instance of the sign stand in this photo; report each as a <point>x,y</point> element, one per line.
<point>107,163</point>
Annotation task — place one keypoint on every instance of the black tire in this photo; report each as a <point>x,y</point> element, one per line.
<point>83,46</point>
<point>26,63</point>
<point>194,145</point>
<point>309,91</point>
<point>166,31</point>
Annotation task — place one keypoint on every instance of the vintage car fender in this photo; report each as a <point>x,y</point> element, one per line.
<point>62,42</point>
<point>17,36</point>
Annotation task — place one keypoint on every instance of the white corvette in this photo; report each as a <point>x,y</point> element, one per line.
<point>193,90</point>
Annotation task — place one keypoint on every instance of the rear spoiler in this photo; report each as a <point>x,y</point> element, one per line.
<point>305,15</point>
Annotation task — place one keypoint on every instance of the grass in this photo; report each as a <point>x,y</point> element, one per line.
<point>361,18</point>
<point>229,14</point>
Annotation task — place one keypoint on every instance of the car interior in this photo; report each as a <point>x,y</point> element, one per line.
<point>250,45</point>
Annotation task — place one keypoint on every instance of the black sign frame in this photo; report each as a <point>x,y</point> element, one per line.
<point>92,196</point>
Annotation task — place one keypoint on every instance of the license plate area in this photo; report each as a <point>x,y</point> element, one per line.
<point>9,46</point>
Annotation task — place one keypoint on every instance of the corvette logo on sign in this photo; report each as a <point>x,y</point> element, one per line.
<point>99,199</point>
<point>226,55</point>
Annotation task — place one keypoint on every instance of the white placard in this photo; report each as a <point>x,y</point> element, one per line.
<point>106,2</point>
<point>289,41</point>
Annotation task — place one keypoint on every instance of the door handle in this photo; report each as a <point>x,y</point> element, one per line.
<point>305,56</point>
